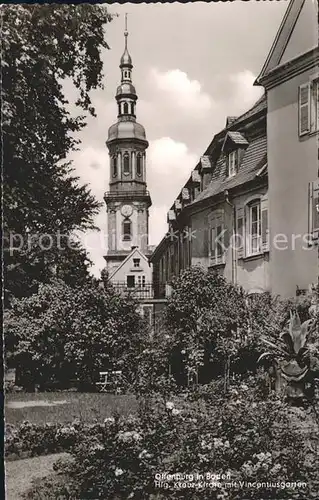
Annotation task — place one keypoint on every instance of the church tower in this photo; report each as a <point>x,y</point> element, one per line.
<point>127,200</point>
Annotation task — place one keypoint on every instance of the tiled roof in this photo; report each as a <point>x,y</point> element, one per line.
<point>258,106</point>
<point>254,158</point>
<point>237,137</point>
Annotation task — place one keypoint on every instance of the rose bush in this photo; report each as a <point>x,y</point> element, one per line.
<point>243,434</point>
<point>30,440</point>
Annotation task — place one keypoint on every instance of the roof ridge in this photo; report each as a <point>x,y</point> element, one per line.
<point>261,100</point>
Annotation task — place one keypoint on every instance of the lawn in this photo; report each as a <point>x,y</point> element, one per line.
<point>65,406</point>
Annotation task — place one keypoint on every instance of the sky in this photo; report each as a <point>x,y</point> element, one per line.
<point>194,65</point>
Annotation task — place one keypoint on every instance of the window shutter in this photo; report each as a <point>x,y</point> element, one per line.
<point>304,109</point>
<point>264,224</point>
<point>314,209</point>
<point>220,238</point>
<point>212,236</point>
<point>226,229</point>
<point>240,231</point>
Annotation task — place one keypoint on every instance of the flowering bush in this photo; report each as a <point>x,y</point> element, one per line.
<point>29,440</point>
<point>250,439</point>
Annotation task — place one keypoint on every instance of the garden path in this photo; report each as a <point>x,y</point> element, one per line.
<point>21,473</point>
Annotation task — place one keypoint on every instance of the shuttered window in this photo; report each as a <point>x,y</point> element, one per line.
<point>304,109</point>
<point>254,228</point>
<point>308,107</point>
<point>257,239</point>
<point>217,240</point>
<point>314,210</point>
<point>314,109</point>
<point>240,232</point>
<point>264,224</point>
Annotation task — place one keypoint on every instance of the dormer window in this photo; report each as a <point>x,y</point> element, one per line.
<point>232,163</point>
<point>233,143</point>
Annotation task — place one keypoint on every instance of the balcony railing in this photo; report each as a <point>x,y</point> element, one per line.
<point>141,290</point>
<point>128,194</point>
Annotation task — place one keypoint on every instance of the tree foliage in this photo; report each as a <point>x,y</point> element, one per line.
<point>44,46</point>
<point>206,320</point>
<point>62,334</point>
<point>213,327</point>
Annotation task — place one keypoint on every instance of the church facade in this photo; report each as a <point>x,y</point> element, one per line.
<point>128,200</point>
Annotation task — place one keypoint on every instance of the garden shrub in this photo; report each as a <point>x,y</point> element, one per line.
<point>252,438</point>
<point>63,334</point>
<point>30,440</point>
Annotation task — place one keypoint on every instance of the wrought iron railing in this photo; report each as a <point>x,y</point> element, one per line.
<point>141,290</point>
<point>128,194</point>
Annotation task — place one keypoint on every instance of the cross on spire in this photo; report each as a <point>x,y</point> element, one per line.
<point>125,31</point>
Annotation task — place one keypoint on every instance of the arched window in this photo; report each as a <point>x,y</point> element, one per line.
<point>114,166</point>
<point>139,160</point>
<point>127,229</point>
<point>125,108</point>
<point>126,164</point>
<point>119,106</point>
<point>132,108</point>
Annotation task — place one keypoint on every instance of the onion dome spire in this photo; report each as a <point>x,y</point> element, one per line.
<point>126,97</point>
<point>126,60</point>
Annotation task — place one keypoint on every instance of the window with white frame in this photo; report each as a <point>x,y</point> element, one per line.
<point>252,231</point>
<point>308,100</point>
<point>141,281</point>
<point>232,163</point>
<point>254,228</point>
<point>136,262</point>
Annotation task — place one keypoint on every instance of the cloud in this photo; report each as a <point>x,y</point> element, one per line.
<point>244,94</point>
<point>92,166</point>
<point>169,164</point>
<point>186,94</point>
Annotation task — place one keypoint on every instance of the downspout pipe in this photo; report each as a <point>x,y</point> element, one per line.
<point>233,250</point>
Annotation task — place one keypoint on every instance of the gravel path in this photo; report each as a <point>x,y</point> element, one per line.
<point>20,473</point>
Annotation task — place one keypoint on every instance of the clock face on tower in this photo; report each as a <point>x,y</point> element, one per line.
<point>126,210</point>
